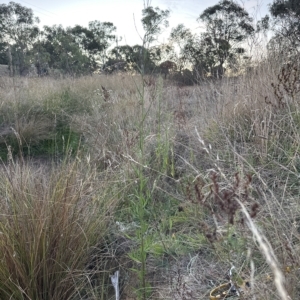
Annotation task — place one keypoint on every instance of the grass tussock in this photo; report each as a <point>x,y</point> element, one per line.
<point>49,223</point>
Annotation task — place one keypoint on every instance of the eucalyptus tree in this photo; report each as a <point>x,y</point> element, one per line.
<point>18,31</point>
<point>142,58</point>
<point>182,40</point>
<point>125,58</point>
<point>103,37</point>
<point>65,53</point>
<point>191,51</point>
<point>3,54</point>
<point>227,26</point>
<point>153,21</point>
<point>40,57</point>
<point>87,43</point>
<point>78,50</point>
<point>287,20</point>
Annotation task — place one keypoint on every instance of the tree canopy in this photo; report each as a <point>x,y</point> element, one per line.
<point>153,20</point>
<point>77,49</point>
<point>18,31</point>
<point>227,25</point>
<point>287,17</point>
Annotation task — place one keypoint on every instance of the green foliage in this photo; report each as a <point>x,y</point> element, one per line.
<point>56,142</point>
<point>3,54</point>
<point>227,26</point>
<point>144,240</point>
<point>115,65</point>
<point>40,58</point>
<point>65,52</point>
<point>153,20</point>
<point>103,34</point>
<point>185,77</point>
<point>180,35</point>
<point>43,129</point>
<point>17,23</point>
<point>283,8</point>
<point>18,28</point>
<point>263,25</point>
<point>94,40</point>
<point>132,58</point>
<point>287,19</point>
<point>182,38</point>
<point>72,50</point>
<point>166,66</point>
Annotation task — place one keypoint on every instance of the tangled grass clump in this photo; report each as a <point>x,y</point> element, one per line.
<point>49,223</point>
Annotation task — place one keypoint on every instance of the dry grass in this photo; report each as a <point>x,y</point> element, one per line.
<point>49,223</point>
<point>241,129</point>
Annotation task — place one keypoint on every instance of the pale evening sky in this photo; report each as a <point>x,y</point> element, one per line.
<point>122,13</point>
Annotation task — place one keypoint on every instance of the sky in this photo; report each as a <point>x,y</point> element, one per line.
<point>126,14</point>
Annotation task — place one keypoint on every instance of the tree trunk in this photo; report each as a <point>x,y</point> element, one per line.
<point>10,61</point>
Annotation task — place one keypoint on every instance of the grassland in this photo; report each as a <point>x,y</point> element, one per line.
<point>170,185</point>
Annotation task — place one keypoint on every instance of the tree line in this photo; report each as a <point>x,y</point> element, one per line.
<point>80,50</point>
